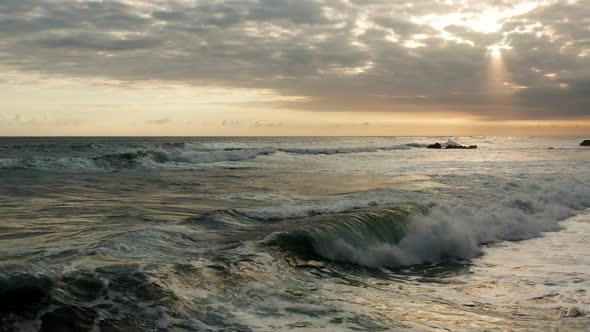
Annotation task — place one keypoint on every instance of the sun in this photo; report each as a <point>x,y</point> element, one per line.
<point>495,51</point>
<point>486,22</point>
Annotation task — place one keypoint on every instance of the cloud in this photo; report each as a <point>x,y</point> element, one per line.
<point>159,121</point>
<point>357,55</point>
<point>38,120</point>
<point>98,42</point>
<point>258,124</point>
<point>230,123</point>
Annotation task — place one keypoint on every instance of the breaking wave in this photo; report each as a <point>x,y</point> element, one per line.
<point>134,159</point>
<point>167,154</point>
<point>412,234</point>
<point>50,164</point>
<point>326,234</point>
<point>219,155</point>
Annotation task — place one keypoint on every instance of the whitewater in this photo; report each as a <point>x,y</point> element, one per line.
<point>304,233</point>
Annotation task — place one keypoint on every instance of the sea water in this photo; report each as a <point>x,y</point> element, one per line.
<point>303,234</point>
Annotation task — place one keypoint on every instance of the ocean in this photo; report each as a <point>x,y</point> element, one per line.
<point>294,234</point>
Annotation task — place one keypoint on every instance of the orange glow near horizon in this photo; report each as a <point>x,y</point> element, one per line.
<point>60,106</point>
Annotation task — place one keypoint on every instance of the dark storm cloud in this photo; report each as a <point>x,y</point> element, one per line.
<point>357,55</point>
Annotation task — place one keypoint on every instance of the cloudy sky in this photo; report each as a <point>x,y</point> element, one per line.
<point>294,67</point>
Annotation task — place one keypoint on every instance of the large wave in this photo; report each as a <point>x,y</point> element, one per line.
<point>414,234</point>
<point>359,229</point>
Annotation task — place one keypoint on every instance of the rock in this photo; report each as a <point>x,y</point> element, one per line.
<point>461,147</point>
<point>586,142</point>
<point>450,145</point>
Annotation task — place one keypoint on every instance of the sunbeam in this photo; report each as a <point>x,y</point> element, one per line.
<point>496,77</point>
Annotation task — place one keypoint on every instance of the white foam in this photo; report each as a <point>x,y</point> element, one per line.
<point>50,164</point>
<point>450,142</point>
<point>456,229</point>
<point>218,155</point>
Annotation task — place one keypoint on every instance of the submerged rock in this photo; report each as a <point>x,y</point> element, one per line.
<point>434,146</point>
<point>586,142</point>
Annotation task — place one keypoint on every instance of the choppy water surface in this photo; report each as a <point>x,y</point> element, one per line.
<point>266,234</point>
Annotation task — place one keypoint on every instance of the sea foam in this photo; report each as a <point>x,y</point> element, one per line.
<point>451,229</point>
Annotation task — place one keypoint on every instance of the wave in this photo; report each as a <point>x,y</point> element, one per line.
<point>102,163</point>
<point>223,219</point>
<point>50,164</point>
<point>413,234</point>
<point>345,150</point>
<point>295,207</point>
<point>168,154</point>
<point>130,159</point>
<point>47,147</point>
<point>155,157</point>
<point>218,155</point>
<point>328,235</point>
<point>417,145</point>
<point>133,159</point>
<point>35,299</point>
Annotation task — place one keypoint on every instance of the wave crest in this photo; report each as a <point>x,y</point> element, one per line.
<point>413,234</point>
<point>132,159</point>
<point>338,236</point>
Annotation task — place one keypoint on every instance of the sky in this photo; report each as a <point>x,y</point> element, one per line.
<point>294,67</point>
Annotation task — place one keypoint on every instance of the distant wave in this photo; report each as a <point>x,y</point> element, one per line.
<point>39,147</point>
<point>167,154</point>
<point>130,160</point>
<point>218,155</point>
<point>344,150</point>
<point>51,164</point>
